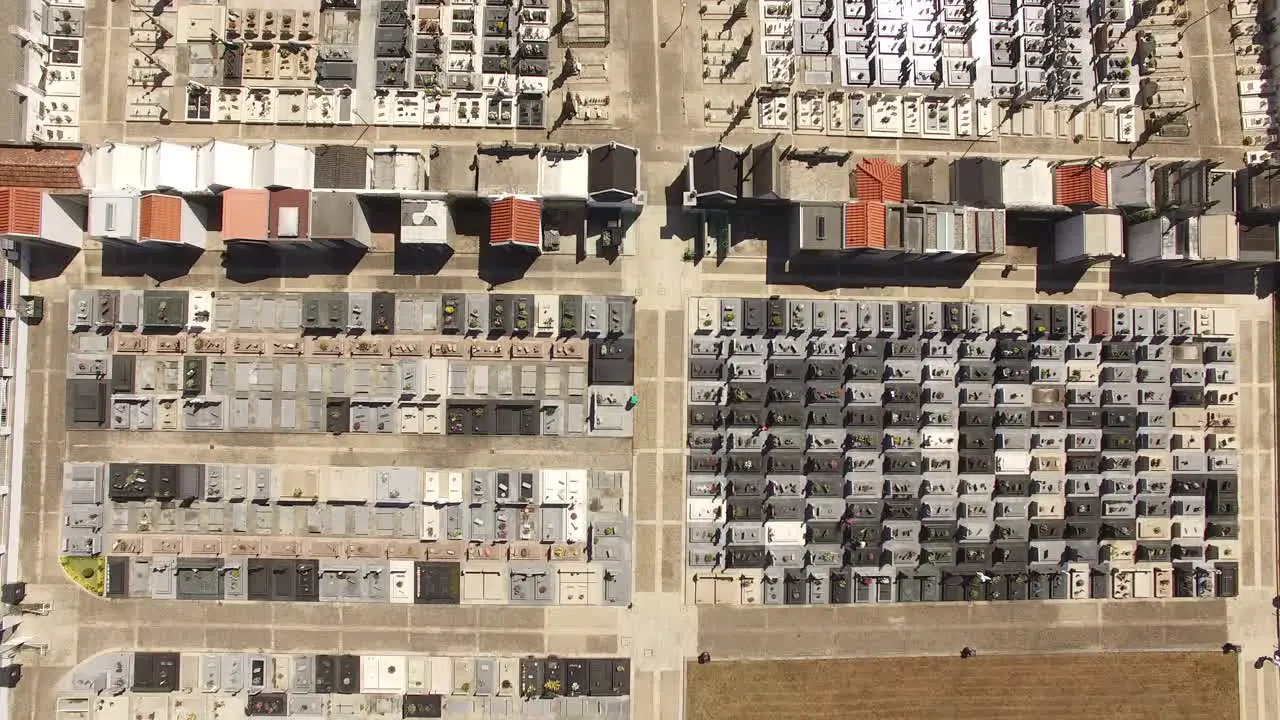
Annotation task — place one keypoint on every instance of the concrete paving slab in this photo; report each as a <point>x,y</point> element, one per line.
<point>566,644</point>
<point>300,640</point>
<point>444,642</point>
<point>672,561</point>
<point>647,487</point>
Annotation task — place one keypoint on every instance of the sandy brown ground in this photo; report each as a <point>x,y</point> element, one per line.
<point>1132,686</point>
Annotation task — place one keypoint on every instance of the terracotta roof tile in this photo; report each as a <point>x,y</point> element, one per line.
<point>52,168</point>
<point>160,218</point>
<point>878,180</point>
<point>864,225</point>
<point>20,211</point>
<point>1080,184</point>
<point>515,220</point>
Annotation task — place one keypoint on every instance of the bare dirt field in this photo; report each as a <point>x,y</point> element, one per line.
<point>1132,686</point>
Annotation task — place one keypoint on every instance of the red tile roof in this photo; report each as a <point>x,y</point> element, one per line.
<point>20,211</point>
<point>864,225</point>
<point>877,180</point>
<point>160,218</point>
<point>1080,184</point>
<point>51,168</point>
<point>515,220</point>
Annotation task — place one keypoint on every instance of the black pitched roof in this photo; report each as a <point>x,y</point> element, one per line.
<point>977,182</point>
<point>716,170</point>
<point>611,172</point>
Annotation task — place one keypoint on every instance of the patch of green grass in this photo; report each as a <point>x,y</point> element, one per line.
<point>88,572</point>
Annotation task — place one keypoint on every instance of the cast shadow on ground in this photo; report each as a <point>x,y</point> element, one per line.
<point>426,259</point>
<point>250,262</point>
<point>45,262</point>
<point>499,265</point>
<point>1127,279</point>
<point>861,271</point>
<point>158,263</point>
<point>679,222</point>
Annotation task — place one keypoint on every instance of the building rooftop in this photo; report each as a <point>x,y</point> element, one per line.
<point>870,401</point>
<point>424,221</point>
<point>284,165</point>
<point>453,169</point>
<point>172,166</point>
<point>1222,193</point>
<point>1081,185</point>
<point>825,180</point>
<point>426,686</point>
<point>398,170</point>
<point>1027,183</point>
<point>760,171</point>
<point>289,214</point>
<point>982,231</point>
<point>944,229</point>
<point>1193,239</point>
<point>1259,242</point>
<point>1130,183</point>
<point>244,214</point>
<point>339,216</point>
<point>114,167</point>
<point>160,218</point>
<point>927,181</point>
<point>1259,188</point>
<point>344,167</point>
<point>48,168</point>
<point>977,182</point>
<point>502,171</point>
<point>818,226</point>
<point>715,171</point>
<point>222,164</point>
<point>864,224</point>
<point>613,172</point>
<point>1089,236</point>
<point>1183,184</point>
<point>564,173</point>
<point>877,180</point>
<point>516,221</point>
<point>1219,237</point>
